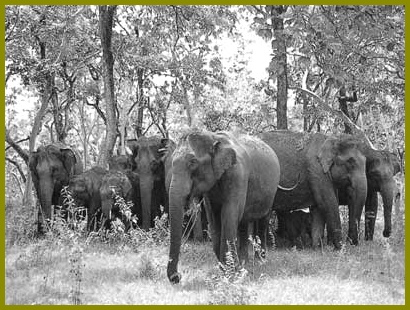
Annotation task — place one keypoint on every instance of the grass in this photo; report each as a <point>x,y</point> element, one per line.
<point>68,269</point>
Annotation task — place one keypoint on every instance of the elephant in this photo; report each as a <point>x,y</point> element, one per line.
<point>324,165</point>
<point>126,185</point>
<point>121,162</point>
<point>381,166</point>
<point>294,228</point>
<point>85,189</point>
<point>237,175</point>
<point>148,155</point>
<point>51,167</point>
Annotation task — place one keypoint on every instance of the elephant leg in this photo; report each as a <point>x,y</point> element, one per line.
<point>370,214</point>
<point>318,227</point>
<point>197,230</point>
<point>243,242</point>
<point>328,204</point>
<point>214,226</point>
<point>353,233</point>
<point>229,230</point>
<point>262,227</point>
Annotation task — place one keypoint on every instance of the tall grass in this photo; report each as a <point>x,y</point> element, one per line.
<point>67,266</point>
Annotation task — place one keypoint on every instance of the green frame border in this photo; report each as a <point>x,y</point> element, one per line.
<point>180,2</point>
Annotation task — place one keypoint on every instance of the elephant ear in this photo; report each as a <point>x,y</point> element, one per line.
<point>395,162</point>
<point>224,158</point>
<point>327,154</point>
<point>69,160</point>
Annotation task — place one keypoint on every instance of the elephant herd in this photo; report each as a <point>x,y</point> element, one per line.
<point>242,179</point>
<point>138,178</point>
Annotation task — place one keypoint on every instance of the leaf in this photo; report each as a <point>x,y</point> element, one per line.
<point>265,33</point>
<point>259,20</point>
<point>274,45</point>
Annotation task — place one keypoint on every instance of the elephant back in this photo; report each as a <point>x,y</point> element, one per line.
<point>291,149</point>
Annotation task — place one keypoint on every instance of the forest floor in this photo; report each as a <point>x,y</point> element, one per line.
<point>69,269</point>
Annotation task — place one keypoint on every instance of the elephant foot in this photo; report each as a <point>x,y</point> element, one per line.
<point>233,273</point>
<point>260,258</point>
<point>386,233</point>
<point>352,240</point>
<point>337,239</point>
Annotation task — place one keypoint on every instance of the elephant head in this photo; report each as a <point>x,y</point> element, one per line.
<point>51,167</point>
<point>120,184</point>
<point>343,161</point>
<point>381,166</point>
<point>149,156</point>
<point>198,163</point>
<point>85,190</point>
<point>121,162</point>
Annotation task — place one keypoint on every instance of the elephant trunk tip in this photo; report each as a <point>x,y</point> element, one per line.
<point>174,277</point>
<point>386,233</point>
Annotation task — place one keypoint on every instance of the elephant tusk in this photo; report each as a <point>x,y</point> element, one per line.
<point>287,189</point>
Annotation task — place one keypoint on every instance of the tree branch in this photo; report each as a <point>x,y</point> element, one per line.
<point>355,129</point>
<point>17,165</point>
<point>17,147</point>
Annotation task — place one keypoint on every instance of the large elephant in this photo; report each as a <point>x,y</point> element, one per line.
<point>324,165</point>
<point>148,154</point>
<point>238,176</point>
<point>85,189</point>
<point>51,167</point>
<point>125,184</point>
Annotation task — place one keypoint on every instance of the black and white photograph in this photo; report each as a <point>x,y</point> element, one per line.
<point>204,155</point>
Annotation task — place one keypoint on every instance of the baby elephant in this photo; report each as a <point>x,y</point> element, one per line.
<point>120,184</point>
<point>85,190</point>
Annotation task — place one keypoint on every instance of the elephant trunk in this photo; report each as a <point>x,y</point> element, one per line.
<point>146,187</point>
<point>357,201</point>
<point>45,191</point>
<point>106,207</point>
<point>387,193</point>
<point>178,197</point>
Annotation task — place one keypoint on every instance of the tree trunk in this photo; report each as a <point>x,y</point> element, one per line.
<point>343,99</point>
<point>106,14</point>
<point>282,79</point>
<point>141,102</point>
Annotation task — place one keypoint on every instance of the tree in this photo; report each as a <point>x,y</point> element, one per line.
<point>106,15</point>
<point>270,23</point>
